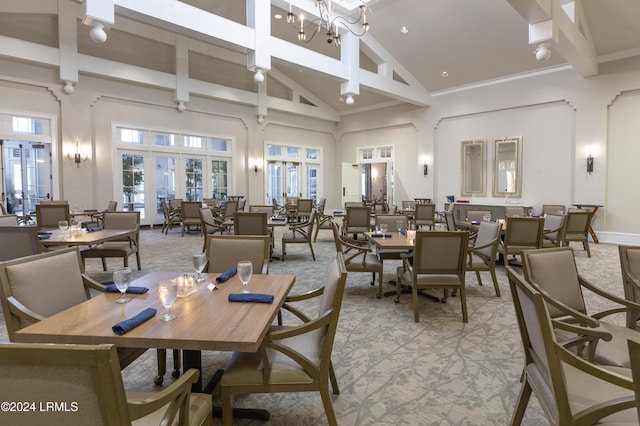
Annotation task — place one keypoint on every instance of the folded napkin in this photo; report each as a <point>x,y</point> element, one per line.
<point>403,232</point>
<point>278,218</point>
<point>44,232</point>
<point>338,211</point>
<point>94,228</point>
<point>111,288</point>
<point>381,235</point>
<point>90,210</point>
<point>129,324</point>
<point>226,275</point>
<point>44,237</point>
<point>251,297</point>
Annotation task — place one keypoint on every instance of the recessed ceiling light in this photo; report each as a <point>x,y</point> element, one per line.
<point>404,30</point>
<point>277,16</point>
<point>445,74</point>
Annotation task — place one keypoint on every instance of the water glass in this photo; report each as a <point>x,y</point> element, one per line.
<point>486,217</point>
<point>63,225</point>
<point>168,291</point>
<point>122,280</point>
<point>383,229</point>
<point>399,225</point>
<point>245,271</point>
<point>199,261</point>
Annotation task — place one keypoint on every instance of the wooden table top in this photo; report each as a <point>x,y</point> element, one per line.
<point>84,238</point>
<point>396,241</point>
<point>206,320</point>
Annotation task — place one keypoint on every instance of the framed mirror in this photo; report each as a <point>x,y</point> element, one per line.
<point>507,167</point>
<point>474,160</point>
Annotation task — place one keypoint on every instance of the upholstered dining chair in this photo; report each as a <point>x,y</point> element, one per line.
<point>121,248</point>
<point>230,207</point>
<point>477,215</point>
<point>450,221</point>
<point>570,390</point>
<point>356,221</point>
<point>293,358</point>
<point>36,287</point>
<point>554,273</point>
<point>3,209</point>
<point>630,266</point>
<point>555,209</point>
<point>522,233</point>
<point>634,355</point>
<point>484,252</point>
<point>171,217</point>
<point>87,379</point>
<point>300,233</point>
<point>9,220</point>
<point>576,228</point>
<point>424,215</point>
<point>323,220</point>
<point>175,204</point>
<point>278,209</point>
<point>514,211</point>
<point>391,221</point>
<point>303,209</point>
<point>358,258</point>
<point>225,251</point>
<point>268,209</point>
<point>210,224</point>
<point>96,219</point>
<point>190,215</point>
<point>439,261</point>
<point>24,241</point>
<point>48,215</point>
<point>250,223</point>
<point>553,230</point>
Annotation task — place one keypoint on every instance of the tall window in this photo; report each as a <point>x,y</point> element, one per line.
<point>293,171</point>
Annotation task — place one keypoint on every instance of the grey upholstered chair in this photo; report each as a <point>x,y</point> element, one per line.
<point>570,390</point>
<point>358,258</point>
<point>477,215</point>
<point>210,224</point>
<point>424,215</point>
<point>9,220</point>
<point>553,230</point>
<point>88,376</point>
<point>293,358</point>
<point>522,233</point>
<point>230,207</point>
<point>514,211</point>
<point>554,273</point>
<point>323,220</point>
<point>303,209</point>
<point>48,215</point>
<point>23,241</point>
<point>225,251</point>
<point>121,248</point>
<point>576,228</point>
<point>171,217</point>
<point>190,215</point>
<point>301,233</point>
<point>630,266</point>
<point>438,263</point>
<point>556,209</point>
<point>356,221</point>
<point>484,252</point>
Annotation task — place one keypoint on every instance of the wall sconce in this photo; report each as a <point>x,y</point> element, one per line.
<point>590,164</point>
<point>77,157</point>
<point>256,166</point>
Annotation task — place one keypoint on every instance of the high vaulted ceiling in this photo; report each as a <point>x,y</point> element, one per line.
<point>473,41</point>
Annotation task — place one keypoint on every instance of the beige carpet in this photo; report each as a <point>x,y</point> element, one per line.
<point>391,371</point>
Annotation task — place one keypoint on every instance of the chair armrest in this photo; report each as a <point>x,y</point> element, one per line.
<point>602,374</point>
<point>627,304</point>
<point>305,296</point>
<point>579,317</point>
<point>21,311</point>
<point>177,394</point>
<point>92,284</point>
<point>583,335</point>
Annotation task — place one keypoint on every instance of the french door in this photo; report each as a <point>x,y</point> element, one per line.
<point>27,177</point>
<point>284,180</point>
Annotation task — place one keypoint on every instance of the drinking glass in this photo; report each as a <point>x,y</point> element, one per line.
<point>63,225</point>
<point>122,279</point>
<point>199,260</point>
<point>399,225</point>
<point>486,217</point>
<point>383,229</point>
<point>168,291</point>
<point>245,270</point>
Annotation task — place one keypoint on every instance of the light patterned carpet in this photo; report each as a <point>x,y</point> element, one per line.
<point>391,371</point>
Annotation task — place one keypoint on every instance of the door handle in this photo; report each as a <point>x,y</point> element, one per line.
<point>343,188</point>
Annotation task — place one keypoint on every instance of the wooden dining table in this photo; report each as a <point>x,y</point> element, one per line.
<point>205,320</point>
<point>57,237</point>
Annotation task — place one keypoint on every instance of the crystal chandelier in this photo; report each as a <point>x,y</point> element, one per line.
<point>328,22</point>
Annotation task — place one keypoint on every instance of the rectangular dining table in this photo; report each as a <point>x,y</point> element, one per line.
<point>206,320</point>
<point>84,237</point>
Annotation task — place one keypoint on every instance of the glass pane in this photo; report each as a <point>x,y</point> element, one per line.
<point>27,125</point>
<point>293,179</point>
<point>274,150</point>
<point>312,154</point>
<point>133,183</point>
<point>131,136</point>
<point>293,152</point>
<point>193,179</point>
<point>193,142</point>
<point>219,145</point>
<point>312,183</point>
<point>274,170</point>
<point>219,179</point>
<point>165,182</point>
<point>164,139</point>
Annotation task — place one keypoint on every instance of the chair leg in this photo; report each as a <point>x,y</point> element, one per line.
<point>479,278</point>
<point>227,411</point>
<point>311,247</point>
<point>495,282</point>
<point>416,314</point>
<point>138,260</point>
<point>379,295</point>
<point>328,405</point>
<point>463,302</point>
<point>521,406</point>
<point>334,381</point>
<point>104,264</point>
<point>162,366</point>
<point>284,247</point>
<point>585,244</point>
<point>176,363</point>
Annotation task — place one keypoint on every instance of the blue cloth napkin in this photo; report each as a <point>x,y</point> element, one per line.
<point>403,232</point>
<point>44,237</point>
<point>381,235</point>
<point>44,232</point>
<point>129,324</point>
<point>226,275</point>
<point>111,288</point>
<point>94,228</point>
<point>251,297</point>
<point>278,218</point>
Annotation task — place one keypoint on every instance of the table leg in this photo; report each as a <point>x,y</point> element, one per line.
<point>193,359</point>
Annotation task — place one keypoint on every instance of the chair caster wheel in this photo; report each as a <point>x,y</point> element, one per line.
<point>175,373</point>
<point>378,296</point>
<point>158,380</point>
<point>443,301</point>
<point>396,300</point>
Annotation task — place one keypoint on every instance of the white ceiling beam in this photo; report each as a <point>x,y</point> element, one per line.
<point>28,51</point>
